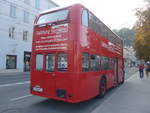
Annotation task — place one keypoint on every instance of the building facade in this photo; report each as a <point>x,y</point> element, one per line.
<point>16,18</point>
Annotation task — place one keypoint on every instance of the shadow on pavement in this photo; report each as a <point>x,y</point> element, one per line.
<point>53,106</point>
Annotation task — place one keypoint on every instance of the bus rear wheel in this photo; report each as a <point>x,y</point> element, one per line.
<point>102,88</point>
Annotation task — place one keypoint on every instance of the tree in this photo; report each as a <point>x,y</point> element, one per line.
<point>142,36</point>
<point>127,35</point>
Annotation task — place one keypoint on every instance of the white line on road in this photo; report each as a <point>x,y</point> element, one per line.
<point>14,84</point>
<point>18,98</point>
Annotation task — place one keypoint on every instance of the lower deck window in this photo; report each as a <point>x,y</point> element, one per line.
<point>104,64</point>
<point>95,62</point>
<point>62,62</point>
<point>111,62</point>
<point>39,62</point>
<point>50,62</point>
<point>85,62</point>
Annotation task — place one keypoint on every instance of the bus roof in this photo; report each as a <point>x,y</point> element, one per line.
<point>58,8</point>
<point>66,6</point>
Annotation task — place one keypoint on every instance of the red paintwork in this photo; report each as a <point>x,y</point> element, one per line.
<point>81,85</point>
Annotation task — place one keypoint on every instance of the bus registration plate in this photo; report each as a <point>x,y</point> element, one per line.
<point>38,89</point>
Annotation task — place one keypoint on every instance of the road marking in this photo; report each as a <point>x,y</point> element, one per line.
<point>15,84</point>
<point>111,96</point>
<point>18,98</point>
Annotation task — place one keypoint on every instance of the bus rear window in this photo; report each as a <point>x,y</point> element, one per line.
<point>39,62</point>
<point>62,62</point>
<point>50,62</point>
<point>53,17</point>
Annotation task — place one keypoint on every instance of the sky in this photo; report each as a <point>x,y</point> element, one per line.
<point>116,14</point>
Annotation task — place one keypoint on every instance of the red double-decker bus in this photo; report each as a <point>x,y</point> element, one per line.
<point>75,56</point>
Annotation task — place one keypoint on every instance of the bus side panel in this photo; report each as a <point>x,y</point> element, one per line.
<point>110,79</point>
<point>88,85</point>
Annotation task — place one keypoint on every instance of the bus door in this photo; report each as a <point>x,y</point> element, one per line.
<point>43,80</point>
<point>62,78</point>
<point>49,74</point>
<point>116,70</point>
<point>56,68</point>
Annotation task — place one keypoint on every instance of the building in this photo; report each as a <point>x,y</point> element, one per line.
<point>16,18</point>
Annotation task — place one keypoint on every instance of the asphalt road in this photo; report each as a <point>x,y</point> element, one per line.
<point>9,78</point>
<point>15,98</point>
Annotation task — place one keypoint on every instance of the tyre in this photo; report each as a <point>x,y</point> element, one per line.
<point>102,88</point>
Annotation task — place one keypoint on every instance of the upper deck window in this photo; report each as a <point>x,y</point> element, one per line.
<point>53,17</point>
<point>85,18</point>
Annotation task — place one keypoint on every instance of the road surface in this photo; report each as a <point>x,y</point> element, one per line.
<point>15,98</point>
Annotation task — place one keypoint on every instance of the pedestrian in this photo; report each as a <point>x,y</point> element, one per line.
<point>141,70</point>
<point>147,68</point>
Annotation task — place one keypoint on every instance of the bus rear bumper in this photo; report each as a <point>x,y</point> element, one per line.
<point>69,99</point>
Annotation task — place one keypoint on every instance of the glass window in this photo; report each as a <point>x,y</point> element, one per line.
<point>97,60</point>
<point>25,35</point>
<point>95,24</point>
<point>26,17</point>
<point>50,62</point>
<point>37,4</point>
<point>92,23</point>
<point>95,63</point>
<point>39,62</point>
<point>12,11</point>
<point>99,27</point>
<point>53,17</point>
<point>62,62</point>
<point>111,62</point>
<point>85,62</point>
<point>12,32</point>
<point>85,17</point>
<point>11,61</point>
<point>104,63</point>
<point>27,59</point>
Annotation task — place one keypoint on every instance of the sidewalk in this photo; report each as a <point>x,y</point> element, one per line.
<point>132,97</point>
<point>130,70</point>
<point>11,72</point>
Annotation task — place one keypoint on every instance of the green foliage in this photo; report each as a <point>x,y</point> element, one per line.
<point>127,35</point>
<point>142,28</point>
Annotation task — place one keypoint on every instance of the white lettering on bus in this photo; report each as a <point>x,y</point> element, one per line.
<point>51,47</point>
<point>50,37</point>
<point>60,30</point>
<point>61,25</point>
<point>52,41</point>
<point>43,32</point>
